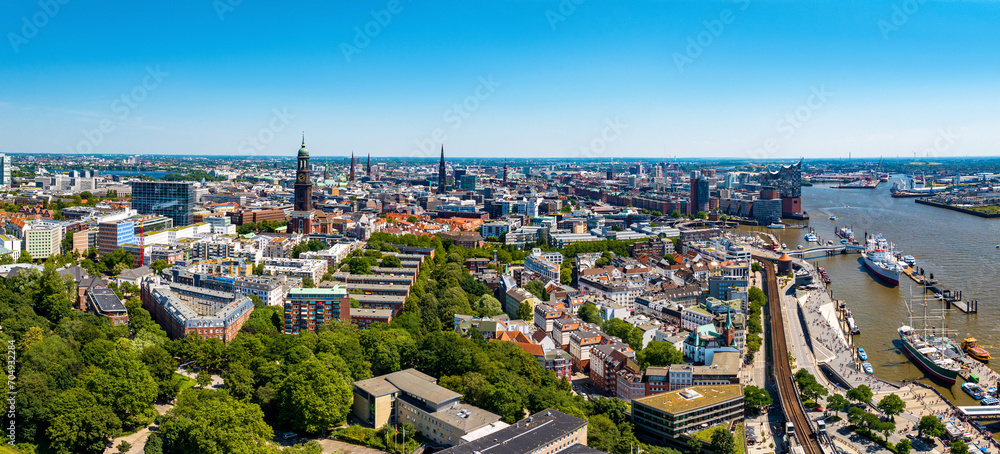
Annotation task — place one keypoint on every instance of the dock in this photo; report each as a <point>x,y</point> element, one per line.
<point>950,297</point>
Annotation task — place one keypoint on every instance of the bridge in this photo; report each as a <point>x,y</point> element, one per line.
<point>824,251</point>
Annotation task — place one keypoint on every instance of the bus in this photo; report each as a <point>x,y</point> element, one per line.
<point>789,428</point>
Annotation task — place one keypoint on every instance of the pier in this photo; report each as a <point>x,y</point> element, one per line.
<point>950,297</point>
<point>825,251</point>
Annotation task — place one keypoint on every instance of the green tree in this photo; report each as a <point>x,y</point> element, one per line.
<point>756,397</point>
<point>723,441</point>
<point>675,214</point>
<point>124,446</point>
<point>487,306</point>
<point>123,384</point>
<point>628,333</point>
<point>892,405</point>
<point>159,265</point>
<point>81,425</point>
<point>904,446</point>
<point>861,394</point>
<point>695,445</point>
<point>154,445</point>
<point>525,311</point>
<point>313,397</point>
<point>959,447</point>
<point>588,313</point>
<point>390,261</point>
<point>537,288</point>
<point>836,402</point>
<point>25,257</point>
<point>659,354</point>
<point>203,379</point>
<point>213,422</point>
<point>930,426</point>
<point>701,215</point>
<point>756,268</point>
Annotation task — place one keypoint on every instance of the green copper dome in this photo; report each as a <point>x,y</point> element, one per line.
<point>303,153</point>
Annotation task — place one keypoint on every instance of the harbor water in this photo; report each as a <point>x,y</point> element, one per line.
<point>959,249</point>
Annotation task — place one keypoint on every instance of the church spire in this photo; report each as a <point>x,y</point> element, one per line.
<point>442,174</point>
<point>351,178</point>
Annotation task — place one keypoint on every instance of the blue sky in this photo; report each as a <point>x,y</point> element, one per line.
<point>504,78</point>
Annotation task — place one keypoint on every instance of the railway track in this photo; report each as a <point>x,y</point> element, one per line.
<point>789,399</point>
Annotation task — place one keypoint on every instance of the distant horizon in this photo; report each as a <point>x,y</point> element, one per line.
<point>361,158</point>
<point>649,79</point>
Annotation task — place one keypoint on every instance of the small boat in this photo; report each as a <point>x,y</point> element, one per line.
<point>776,226</point>
<point>938,296</point>
<point>829,242</point>
<point>862,355</point>
<point>867,366</point>
<point>833,218</point>
<point>811,237</point>
<point>973,390</point>
<point>909,260</point>
<point>800,246</point>
<point>990,401</point>
<point>976,352</point>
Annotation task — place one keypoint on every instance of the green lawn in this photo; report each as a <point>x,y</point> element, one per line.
<point>186,383</point>
<point>706,435</point>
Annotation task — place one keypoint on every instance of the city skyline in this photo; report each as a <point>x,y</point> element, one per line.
<point>556,79</point>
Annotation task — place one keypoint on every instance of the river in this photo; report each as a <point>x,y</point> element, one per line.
<point>960,249</point>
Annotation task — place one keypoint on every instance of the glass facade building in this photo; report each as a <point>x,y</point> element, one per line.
<point>174,200</point>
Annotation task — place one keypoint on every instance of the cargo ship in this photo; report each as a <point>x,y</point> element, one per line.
<point>880,259</point>
<point>976,352</point>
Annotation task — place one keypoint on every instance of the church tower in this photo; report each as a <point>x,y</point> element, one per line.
<point>302,210</point>
<point>351,178</point>
<point>442,174</point>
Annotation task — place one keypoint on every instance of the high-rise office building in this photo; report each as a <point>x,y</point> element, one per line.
<point>5,180</point>
<point>172,199</point>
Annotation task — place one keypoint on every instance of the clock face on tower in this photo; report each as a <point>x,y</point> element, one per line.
<point>302,177</point>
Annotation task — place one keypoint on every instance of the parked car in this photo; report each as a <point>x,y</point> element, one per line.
<point>288,435</point>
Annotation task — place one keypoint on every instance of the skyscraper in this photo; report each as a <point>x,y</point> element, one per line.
<point>368,168</point>
<point>302,212</point>
<point>174,200</point>
<point>5,180</point>
<point>505,172</point>
<point>442,174</point>
<point>699,193</point>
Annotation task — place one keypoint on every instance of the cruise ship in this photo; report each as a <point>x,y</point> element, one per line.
<point>879,258</point>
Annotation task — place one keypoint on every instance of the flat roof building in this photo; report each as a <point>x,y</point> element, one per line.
<point>546,432</point>
<point>664,418</point>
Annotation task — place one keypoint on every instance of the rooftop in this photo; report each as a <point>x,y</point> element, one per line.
<point>106,300</point>
<point>674,402</point>
<point>526,435</point>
